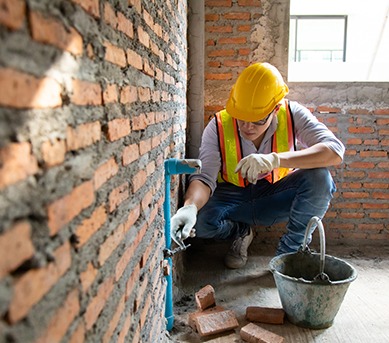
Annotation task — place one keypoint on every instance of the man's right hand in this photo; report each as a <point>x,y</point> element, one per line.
<point>182,224</point>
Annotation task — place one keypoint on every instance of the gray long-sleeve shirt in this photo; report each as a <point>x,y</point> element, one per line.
<point>308,131</point>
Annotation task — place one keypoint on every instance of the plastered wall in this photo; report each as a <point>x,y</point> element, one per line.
<point>92,100</point>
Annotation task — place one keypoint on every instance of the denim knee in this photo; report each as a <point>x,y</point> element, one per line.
<point>319,181</point>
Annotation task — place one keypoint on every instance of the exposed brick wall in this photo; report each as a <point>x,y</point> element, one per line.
<point>92,100</point>
<point>238,33</point>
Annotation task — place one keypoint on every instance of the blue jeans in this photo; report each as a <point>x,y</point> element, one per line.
<point>295,199</point>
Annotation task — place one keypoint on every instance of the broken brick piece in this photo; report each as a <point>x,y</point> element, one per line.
<point>205,298</point>
<point>253,333</point>
<point>192,316</point>
<point>213,322</point>
<point>266,315</point>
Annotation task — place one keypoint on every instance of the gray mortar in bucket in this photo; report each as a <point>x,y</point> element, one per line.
<point>311,286</point>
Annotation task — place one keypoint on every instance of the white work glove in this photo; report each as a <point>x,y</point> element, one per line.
<point>255,164</point>
<point>182,224</point>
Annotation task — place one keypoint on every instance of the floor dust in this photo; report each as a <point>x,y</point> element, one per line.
<point>363,315</point>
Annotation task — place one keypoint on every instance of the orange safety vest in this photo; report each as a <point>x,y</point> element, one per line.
<point>231,146</point>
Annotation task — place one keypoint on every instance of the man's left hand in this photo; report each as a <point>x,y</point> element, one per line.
<point>255,164</point>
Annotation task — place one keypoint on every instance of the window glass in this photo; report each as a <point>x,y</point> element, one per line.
<point>338,40</point>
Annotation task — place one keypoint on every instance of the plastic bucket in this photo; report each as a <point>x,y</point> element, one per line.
<point>311,286</point>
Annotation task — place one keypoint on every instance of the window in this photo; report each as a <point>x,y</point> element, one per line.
<point>318,38</point>
<point>332,40</point>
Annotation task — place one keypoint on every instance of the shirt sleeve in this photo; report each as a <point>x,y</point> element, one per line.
<point>310,131</point>
<point>209,155</point>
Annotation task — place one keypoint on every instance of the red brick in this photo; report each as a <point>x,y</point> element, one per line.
<point>110,244</point>
<point>205,298</point>
<point>118,128</point>
<point>130,154</point>
<point>83,135</point>
<point>144,146</point>
<point>125,25</point>
<point>12,13</point>
<point>90,6</point>
<point>139,180</point>
<point>114,320</point>
<point>115,55</point>
<point>51,31</point>
<point>78,335</point>
<point>20,90</point>
<point>63,210</point>
<point>33,285</point>
<point>91,225</point>
<point>110,94</point>
<point>143,37</point>
<point>232,40</point>
<point>218,3</point>
<point>236,63</point>
<point>212,17</point>
<point>104,172</point>
<point>98,302</point>
<point>212,322</point>
<point>109,15</point>
<point>219,29</point>
<point>244,52</point>
<point>255,334</point>
<point>134,59</point>
<point>16,163</point>
<point>249,3</point>
<point>244,28</point>
<point>128,94</point>
<point>88,276</point>
<point>118,195</point>
<point>265,315</point>
<point>53,152</point>
<point>381,111</point>
<point>221,53</point>
<point>361,129</point>
<point>62,319</point>
<point>219,76</point>
<point>237,16</point>
<point>16,247</point>
<point>86,93</point>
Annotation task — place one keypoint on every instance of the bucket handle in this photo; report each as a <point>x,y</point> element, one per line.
<point>317,222</point>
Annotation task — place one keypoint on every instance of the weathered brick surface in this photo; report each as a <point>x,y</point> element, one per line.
<point>267,315</point>
<point>215,322</point>
<point>205,297</point>
<point>93,99</point>
<point>253,333</point>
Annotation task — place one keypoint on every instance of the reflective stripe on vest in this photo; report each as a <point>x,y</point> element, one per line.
<point>231,147</point>
<point>283,140</point>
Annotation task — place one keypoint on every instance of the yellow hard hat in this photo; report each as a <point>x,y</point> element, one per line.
<point>257,91</point>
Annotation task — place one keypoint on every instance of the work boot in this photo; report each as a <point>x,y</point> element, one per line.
<point>236,257</point>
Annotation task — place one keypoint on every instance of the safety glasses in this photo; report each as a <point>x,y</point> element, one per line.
<point>264,121</point>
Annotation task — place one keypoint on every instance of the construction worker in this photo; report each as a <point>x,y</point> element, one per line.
<point>253,173</point>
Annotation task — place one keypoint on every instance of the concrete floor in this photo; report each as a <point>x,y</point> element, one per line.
<point>363,315</point>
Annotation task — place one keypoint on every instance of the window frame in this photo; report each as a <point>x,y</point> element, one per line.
<point>320,16</point>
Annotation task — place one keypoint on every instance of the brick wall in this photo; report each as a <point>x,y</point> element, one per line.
<point>241,32</point>
<point>92,100</point>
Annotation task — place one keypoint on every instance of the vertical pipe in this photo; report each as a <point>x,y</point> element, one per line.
<point>173,166</point>
<point>169,288</point>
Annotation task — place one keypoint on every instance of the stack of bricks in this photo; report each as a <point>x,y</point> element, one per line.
<point>211,319</point>
<point>93,99</point>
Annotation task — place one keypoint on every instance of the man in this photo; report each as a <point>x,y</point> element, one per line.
<point>252,172</point>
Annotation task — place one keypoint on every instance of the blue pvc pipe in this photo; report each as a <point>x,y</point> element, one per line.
<point>172,166</point>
